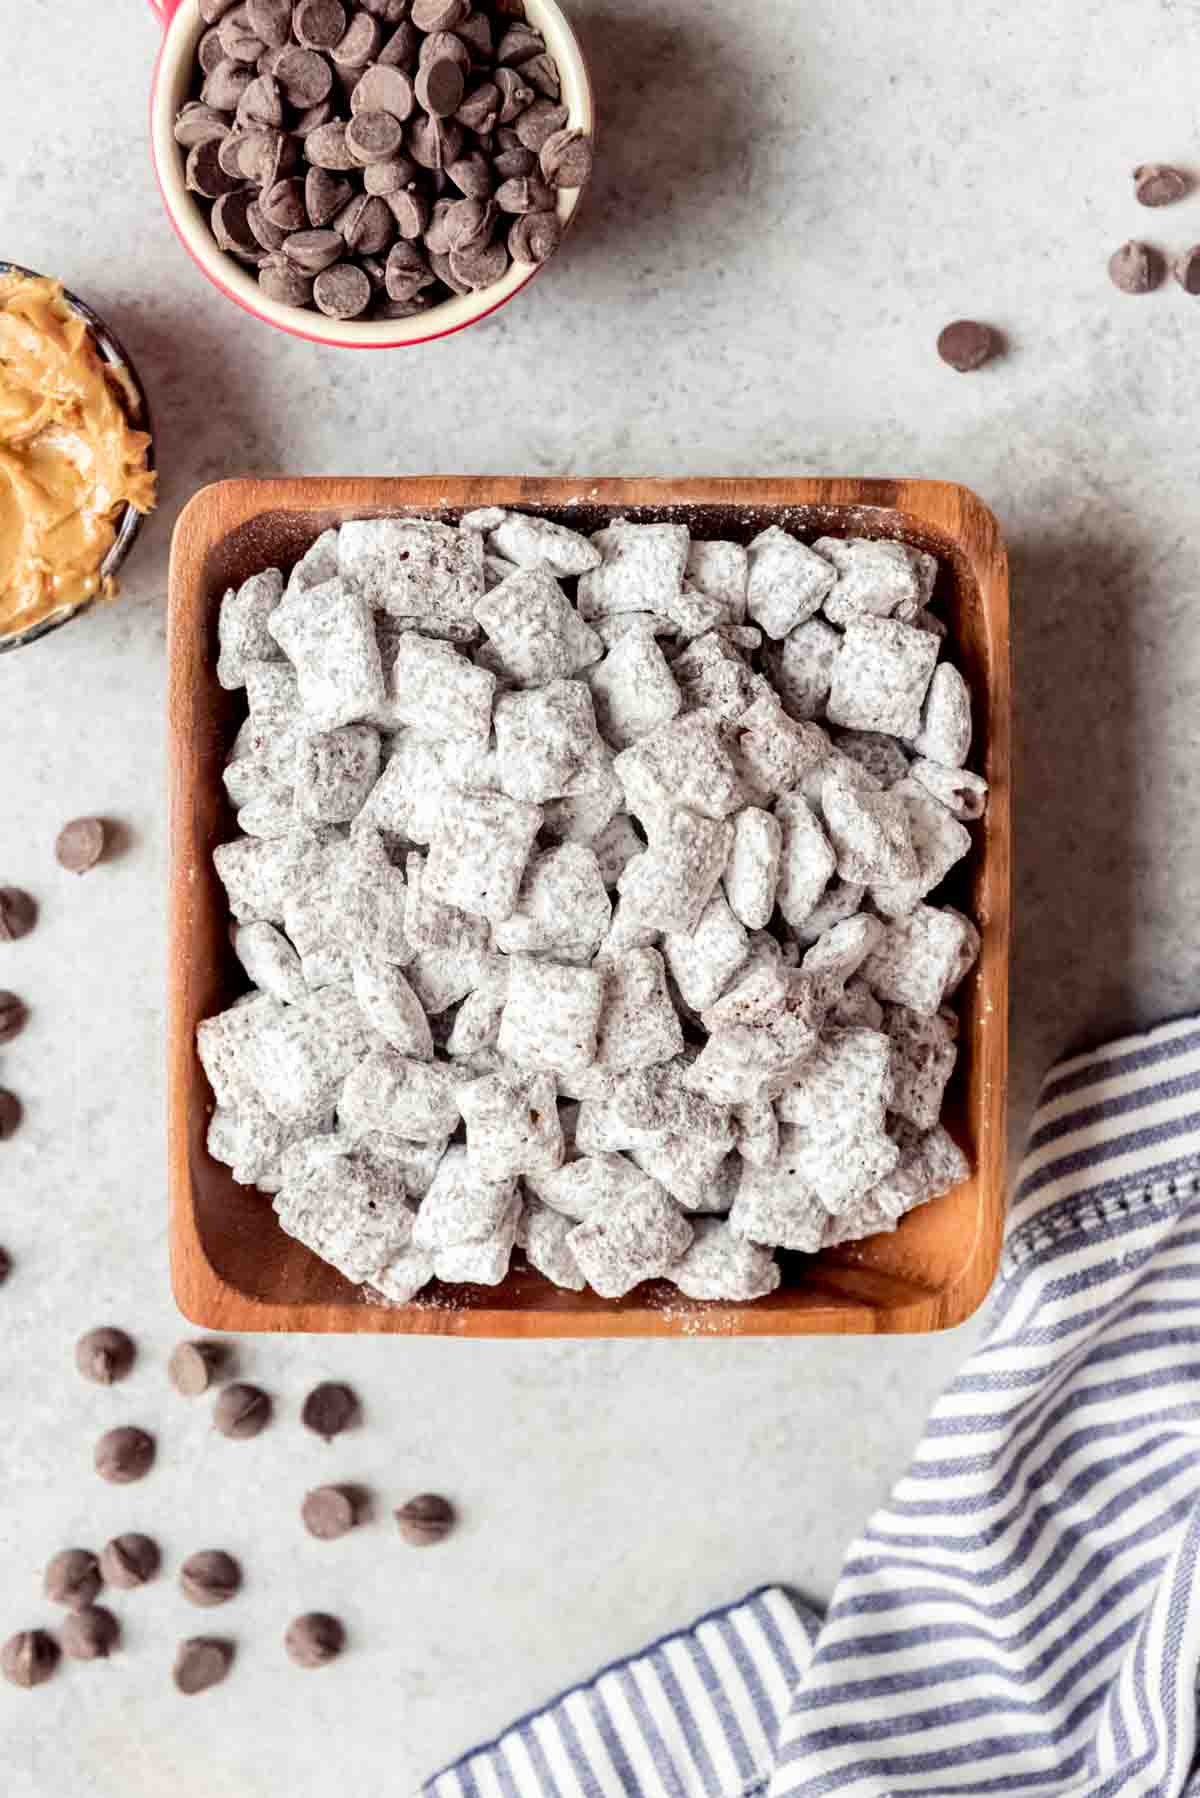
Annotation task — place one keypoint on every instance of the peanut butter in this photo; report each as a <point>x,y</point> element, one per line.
<point>70,462</point>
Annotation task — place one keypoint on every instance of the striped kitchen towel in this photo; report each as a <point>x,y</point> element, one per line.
<point>1024,1616</point>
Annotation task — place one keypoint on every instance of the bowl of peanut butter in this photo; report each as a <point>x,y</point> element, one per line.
<point>76,457</point>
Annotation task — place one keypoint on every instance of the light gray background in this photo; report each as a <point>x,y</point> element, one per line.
<point>791,201</point>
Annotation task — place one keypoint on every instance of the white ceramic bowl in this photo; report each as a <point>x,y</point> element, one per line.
<point>173,78</point>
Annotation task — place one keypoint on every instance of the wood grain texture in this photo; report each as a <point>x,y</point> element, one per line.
<point>232,1266</point>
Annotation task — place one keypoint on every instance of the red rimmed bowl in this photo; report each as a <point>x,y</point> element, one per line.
<point>173,77</point>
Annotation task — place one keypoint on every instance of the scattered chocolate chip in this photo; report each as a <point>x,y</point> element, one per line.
<point>1187,270</point>
<point>13,1016</point>
<point>426,1520</point>
<point>314,1639</point>
<point>328,1512</point>
<point>201,1662</point>
<point>104,1355</point>
<point>241,1411</point>
<point>329,1409</point>
<point>18,914</point>
<point>210,1577</point>
<point>72,1578</point>
<point>967,345</point>
<point>91,1635</point>
<point>10,1114</point>
<point>29,1658</point>
<point>1157,184</point>
<point>1135,268</point>
<point>566,159</point>
<point>193,1365</point>
<point>129,1561</point>
<point>80,844</point>
<point>124,1455</point>
<point>5,1265</point>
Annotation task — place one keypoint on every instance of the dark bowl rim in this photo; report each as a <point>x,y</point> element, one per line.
<point>112,351</point>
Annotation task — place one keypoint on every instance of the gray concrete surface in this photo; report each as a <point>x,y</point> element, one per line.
<point>791,202</point>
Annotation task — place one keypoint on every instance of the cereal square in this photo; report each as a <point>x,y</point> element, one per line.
<point>335,770</point>
<point>945,733</point>
<point>551,1015</point>
<point>633,690</point>
<point>705,960</point>
<point>924,1052</point>
<point>390,1007</point>
<point>544,738</point>
<point>669,885</point>
<point>719,1264</point>
<point>478,851</point>
<point>512,1124</point>
<point>807,861</point>
<point>242,627</point>
<point>418,569</point>
<point>534,630</point>
<point>684,763</point>
<point>527,541</point>
<point>400,1096</point>
<point>544,1234</point>
<point>870,832</point>
<point>722,570</point>
<point>801,668</point>
<point>270,961</point>
<point>881,675</point>
<point>429,924</point>
<point>922,958</point>
<point>563,909</point>
<point>371,901</point>
<point>639,1026</point>
<point>439,691</point>
<point>345,1210</point>
<point>752,872</point>
<point>641,571</point>
<point>713,677</point>
<point>772,752</point>
<point>639,1235</point>
<point>328,633</point>
<point>462,1204</point>
<point>300,1056</point>
<point>881,578</point>
<point>787,582</point>
<point>939,842</point>
<point>844,1088</point>
<point>963,794</point>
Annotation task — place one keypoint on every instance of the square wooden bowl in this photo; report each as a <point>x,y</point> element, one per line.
<point>233,1268</point>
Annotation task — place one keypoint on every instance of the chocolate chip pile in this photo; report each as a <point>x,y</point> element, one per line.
<point>209,1578</point>
<point>571,929</point>
<point>370,160</point>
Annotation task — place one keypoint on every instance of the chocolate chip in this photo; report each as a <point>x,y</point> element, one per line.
<point>320,24</point>
<point>201,1662</point>
<point>29,1658</point>
<point>515,95</point>
<point>541,72</point>
<point>384,89</point>
<point>210,51</point>
<point>476,31</point>
<point>328,149</point>
<point>479,265</point>
<point>104,1355</point>
<point>386,11</point>
<point>198,124</point>
<point>304,75</point>
<point>445,45</point>
<point>472,175</point>
<point>388,178</point>
<point>434,142</point>
<point>13,1016</point>
<point>129,1561</point>
<point>271,20</point>
<point>566,159</point>
<point>124,1455</point>
<point>469,224</point>
<point>328,1512</point>
<point>204,172</point>
<point>1135,268</point>
<point>192,1366</point>
<point>225,85</point>
<point>342,291</point>
<point>535,237</point>
<point>266,157</point>
<point>241,1411</point>
<point>1187,270</point>
<point>231,225</point>
<point>400,51</point>
<point>360,44</point>
<point>325,195</point>
<point>373,136</point>
<point>5,1265</point>
<point>210,1577</point>
<point>91,1635</point>
<point>312,251</point>
<point>18,914</point>
<point>440,87</point>
<point>366,225</point>
<point>426,1520</point>
<point>406,273</point>
<point>439,15</point>
<point>1157,184</point>
<point>314,1639</point>
<point>80,844</point>
<point>389,308</point>
<point>481,107</point>
<point>519,43</point>
<point>262,103</point>
<point>72,1578</point>
<point>524,193</point>
<point>410,211</point>
<point>212,11</point>
<point>282,282</point>
<point>10,1114</point>
<point>330,1409</point>
<point>967,345</point>
<point>539,123</point>
<point>238,41</point>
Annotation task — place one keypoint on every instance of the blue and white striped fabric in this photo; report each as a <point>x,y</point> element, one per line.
<point>1024,1616</point>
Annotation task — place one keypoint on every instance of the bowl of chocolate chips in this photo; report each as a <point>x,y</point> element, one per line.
<point>370,173</point>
